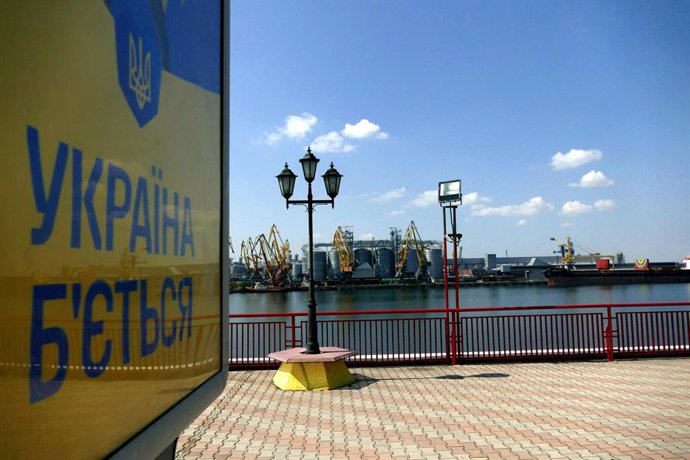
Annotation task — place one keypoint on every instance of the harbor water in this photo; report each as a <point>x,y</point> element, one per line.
<point>470,297</point>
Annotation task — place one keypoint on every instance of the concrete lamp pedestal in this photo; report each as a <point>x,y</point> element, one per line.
<point>302,372</point>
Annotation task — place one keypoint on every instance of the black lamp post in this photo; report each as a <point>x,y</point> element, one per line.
<point>286,181</point>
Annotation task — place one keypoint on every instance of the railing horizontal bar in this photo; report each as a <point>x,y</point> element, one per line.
<point>463,310</point>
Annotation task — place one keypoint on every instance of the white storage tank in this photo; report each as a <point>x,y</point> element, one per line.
<point>334,262</point>
<point>489,262</point>
<point>435,257</point>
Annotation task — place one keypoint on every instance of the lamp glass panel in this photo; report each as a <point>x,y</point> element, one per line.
<point>286,182</point>
<point>331,181</point>
<point>449,191</point>
<point>309,163</point>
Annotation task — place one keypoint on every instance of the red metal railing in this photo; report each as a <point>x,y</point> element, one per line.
<point>419,336</point>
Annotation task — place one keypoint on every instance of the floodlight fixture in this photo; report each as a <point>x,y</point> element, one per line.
<point>449,192</point>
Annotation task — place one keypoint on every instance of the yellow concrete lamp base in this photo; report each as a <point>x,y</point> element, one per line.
<point>301,372</point>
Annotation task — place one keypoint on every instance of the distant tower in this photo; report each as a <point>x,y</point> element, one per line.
<point>395,239</point>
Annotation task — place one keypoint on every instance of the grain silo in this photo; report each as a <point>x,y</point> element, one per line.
<point>296,270</point>
<point>386,260</point>
<point>362,256</point>
<point>320,266</point>
<point>412,263</point>
<point>435,257</point>
<point>334,263</point>
<point>238,270</point>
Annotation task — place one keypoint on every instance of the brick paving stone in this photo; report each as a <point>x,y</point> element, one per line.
<point>583,410</point>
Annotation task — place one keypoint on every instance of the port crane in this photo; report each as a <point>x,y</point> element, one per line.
<point>275,267</point>
<point>250,259</point>
<point>279,249</point>
<point>344,250</point>
<point>267,258</point>
<point>412,239</point>
<point>567,252</point>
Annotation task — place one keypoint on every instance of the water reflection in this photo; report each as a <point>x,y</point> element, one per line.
<point>396,298</point>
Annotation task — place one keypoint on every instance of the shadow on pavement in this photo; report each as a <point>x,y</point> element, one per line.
<point>362,381</point>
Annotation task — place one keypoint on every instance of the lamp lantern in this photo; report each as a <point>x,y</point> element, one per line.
<point>309,163</point>
<point>331,180</point>
<point>286,181</point>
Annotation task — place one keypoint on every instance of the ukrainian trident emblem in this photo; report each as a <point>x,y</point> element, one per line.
<point>139,72</point>
<point>139,57</point>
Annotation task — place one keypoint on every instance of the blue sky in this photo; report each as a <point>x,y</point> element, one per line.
<point>560,118</point>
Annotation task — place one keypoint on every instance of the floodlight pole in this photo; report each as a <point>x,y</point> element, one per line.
<point>450,197</point>
<point>455,237</point>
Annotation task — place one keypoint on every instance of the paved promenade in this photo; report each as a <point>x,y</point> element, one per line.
<point>619,410</point>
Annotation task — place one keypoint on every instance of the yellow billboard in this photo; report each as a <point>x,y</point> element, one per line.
<point>112,205</point>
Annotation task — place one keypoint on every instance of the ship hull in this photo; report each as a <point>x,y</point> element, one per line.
<point>566,277</point>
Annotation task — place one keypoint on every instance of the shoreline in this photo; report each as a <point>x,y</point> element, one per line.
<point>342,287</point>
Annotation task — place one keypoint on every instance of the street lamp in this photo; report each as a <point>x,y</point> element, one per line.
<point>286,182</point>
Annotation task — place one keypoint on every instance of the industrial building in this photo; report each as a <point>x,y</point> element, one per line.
<point>267,262</point>
<point>402,258</point>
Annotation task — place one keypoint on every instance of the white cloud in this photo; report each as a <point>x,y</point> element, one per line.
<point>272,138</point>
<point>522,222</point>
<point>604,205</point>
<point>566,224</point>
<point>531,207</point>
<point>295,127</point>
<point>363,129</point>
<point>574,158</point>
<point>331,142</point>
<point>367,236</point>
<point>425,199</point>
<point>474,198</point>
<point>363,195</point>
<point>395,213</point>
<point>388,196</point>
<point>593,179</point>
<point>573,208</point>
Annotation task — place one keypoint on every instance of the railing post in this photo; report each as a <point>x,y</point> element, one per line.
<point>457,349</point>
<point>453,340</point>
<point>609,335</point>
<point>292,327</point>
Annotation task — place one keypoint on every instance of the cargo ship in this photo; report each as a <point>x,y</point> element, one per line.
<point>605,274</point>
<point>569,274</point>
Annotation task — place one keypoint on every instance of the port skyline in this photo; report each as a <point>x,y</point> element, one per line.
<point>560,119</point>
